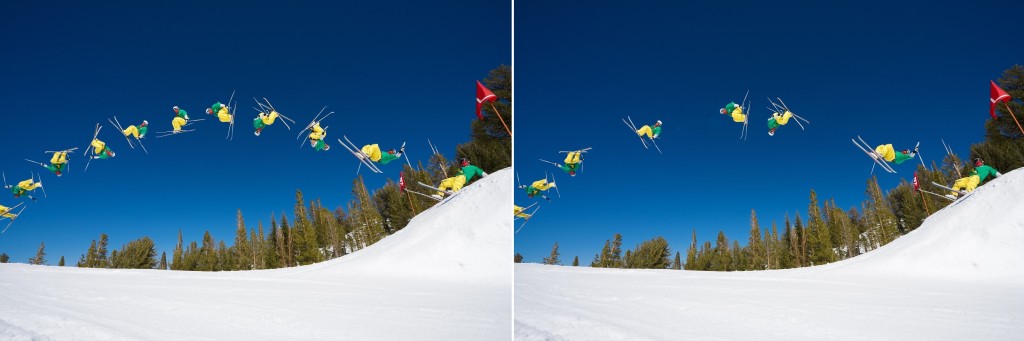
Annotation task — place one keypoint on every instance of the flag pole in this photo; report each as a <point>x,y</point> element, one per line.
<point>1011,115</point>
<point>413,208</point>
<point>510,131</point>
<point>925,202</point>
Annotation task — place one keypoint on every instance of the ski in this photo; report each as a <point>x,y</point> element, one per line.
<point>584,150</point>
<point>632,128</point>
<point>962,192</point>
<point>878,159</point>
<point>525,220</point>
<point>16,215</point>
<point>171,132</point>
<point>121,129</point>
<point>61,151</point>
<point>40,182</point>
<point>937,194</point>
<point>556,165</point>
<point>424,195</point>
<point>448,192</point>
<point>365,159</point>
<point>89,146</point>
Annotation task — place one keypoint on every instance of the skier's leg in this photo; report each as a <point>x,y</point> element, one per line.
<point>132,130</point>
<point>270,119</point>
<point>460,180</point>
<point>445,185</point>
<point>959,184</point>
<point>56,158</point>
<point>972,183</point>
<point>785,118</point>
<point>177,123</point>
<point>645,130</point>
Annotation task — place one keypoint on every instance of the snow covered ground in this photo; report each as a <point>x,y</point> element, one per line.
<point>960,276</point>
<point>446,276</point>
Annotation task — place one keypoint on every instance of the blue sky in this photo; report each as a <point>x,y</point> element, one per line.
<point>392,71</point>
<point>891,73</point>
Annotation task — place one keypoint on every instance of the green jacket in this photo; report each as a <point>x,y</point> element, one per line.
<point>216,107</point>
<point>571,167</point>
<point>258,123</point>
<point>54,168</point>
<point>772,124</point>
<point>655,130</point>
<point>984,171</point>
<point>182,113</point>
<point>320,145</point>
<point>900,157</point>
<point>469,172</point>
<point>386,157</point>
<point>18,191</point>
<point>531,191</point>
<point>730,107</point>
<point>144,129</point>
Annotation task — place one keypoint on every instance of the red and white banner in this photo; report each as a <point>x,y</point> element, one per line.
<point>917,186</point>
<point>401,181</point>
<point>483,95</point>
<point>996,94</point>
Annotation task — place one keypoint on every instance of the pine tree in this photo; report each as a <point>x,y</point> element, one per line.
<point>756,257</point>
<point>676,264</point>
<point>40,258</point>
<point>136,254</point>
<point>553,258</point>
<point>273,249</point>
<point>101,252</point>
<point>615,257</point>
<point>61,262</point>
<point>819,242</point>
<point>722,258</point>
<point>163,261</point>
<point>306,248</point>
<point>518,258</point>
<point>576,261</point>
<point>602,259</point>
<point>242,252</point>
<point>691,253</point>
<point>798,226</point>
<point>651,254</point>
<point>207,260</point>
<point>178,253</point>
<point>373,223</point>
<point>738,261</point>
<point>289,236</point>
<point>4,258</point>
<point>883,220</point>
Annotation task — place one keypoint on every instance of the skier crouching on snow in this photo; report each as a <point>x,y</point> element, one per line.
<point>222,111</point>
<point>23,187</point>
<point>889,154</point>
<point>137,132</point>
<point>652,133</point>
<point>778,120</point>
<point>969,183</point>
<point>572,163</point>
<point>455,183</point>
<point>100,150</point>
<point>373,151</point>
<point>180,119</point>
<point>537,186</point>
<point>735,110</point>
<point>263,120</point>
<point>316,138</point>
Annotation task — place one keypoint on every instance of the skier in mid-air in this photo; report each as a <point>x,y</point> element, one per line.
<point>372,151</point>
<point>537,186</point>
<point>889,154</point>
<point>316,137</point>
<point>651,132</point>
<point>180,119</point>
<point>24,187</point>
<point>222,111</point>
<point>735,110</point>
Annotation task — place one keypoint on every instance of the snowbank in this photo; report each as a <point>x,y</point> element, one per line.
<point>446,276</point>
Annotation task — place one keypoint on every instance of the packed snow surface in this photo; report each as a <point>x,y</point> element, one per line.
<point>446,276</point>
<point>959,276</point>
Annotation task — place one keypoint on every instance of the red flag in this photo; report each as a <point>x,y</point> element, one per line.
<point>996,95</point>
<point>401,181</point>
<point>483,95</point>
<point>917,187</point>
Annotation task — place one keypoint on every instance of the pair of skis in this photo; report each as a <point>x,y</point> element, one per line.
<point>117,124</point>
<point>528,215</point>
<point>312,123</point>
<point>746,116</point>
<point>632,127</point>
<point>16,215</point>
<point>781,107</point>
<point>873,155</point>
<point>268,108</point>
<point>963,193</point>
<point>448,193</point>
<point>89,146</point>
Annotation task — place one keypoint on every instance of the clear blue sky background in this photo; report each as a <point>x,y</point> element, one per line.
<point>392,71</point>
<point>891,72</point>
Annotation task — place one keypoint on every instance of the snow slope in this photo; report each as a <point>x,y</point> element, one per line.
<point>446,276</point>
<point>960,276</point>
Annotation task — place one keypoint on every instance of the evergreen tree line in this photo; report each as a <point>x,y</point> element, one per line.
<point>831,233</point>
<point>318,233</point>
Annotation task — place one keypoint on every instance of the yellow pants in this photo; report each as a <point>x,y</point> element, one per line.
<point>572,158</point>
<point>646,130</point>
<point>886,151</point>
<point>269,119</point>
<point>59,158</point>
<point>738,116</point>
<point>317,133</point>
<point>28,185</point>
<point>98,146</point>
<point>223,115</point>
<point>782,120</point>
<point>373,151</point>
<point>967,184</point>
<point>131,130</point>
<point>541,185</point>
<point>177,123</point>
<point>6,212</point>
<point>454,183</point>
<point>518,211</point>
